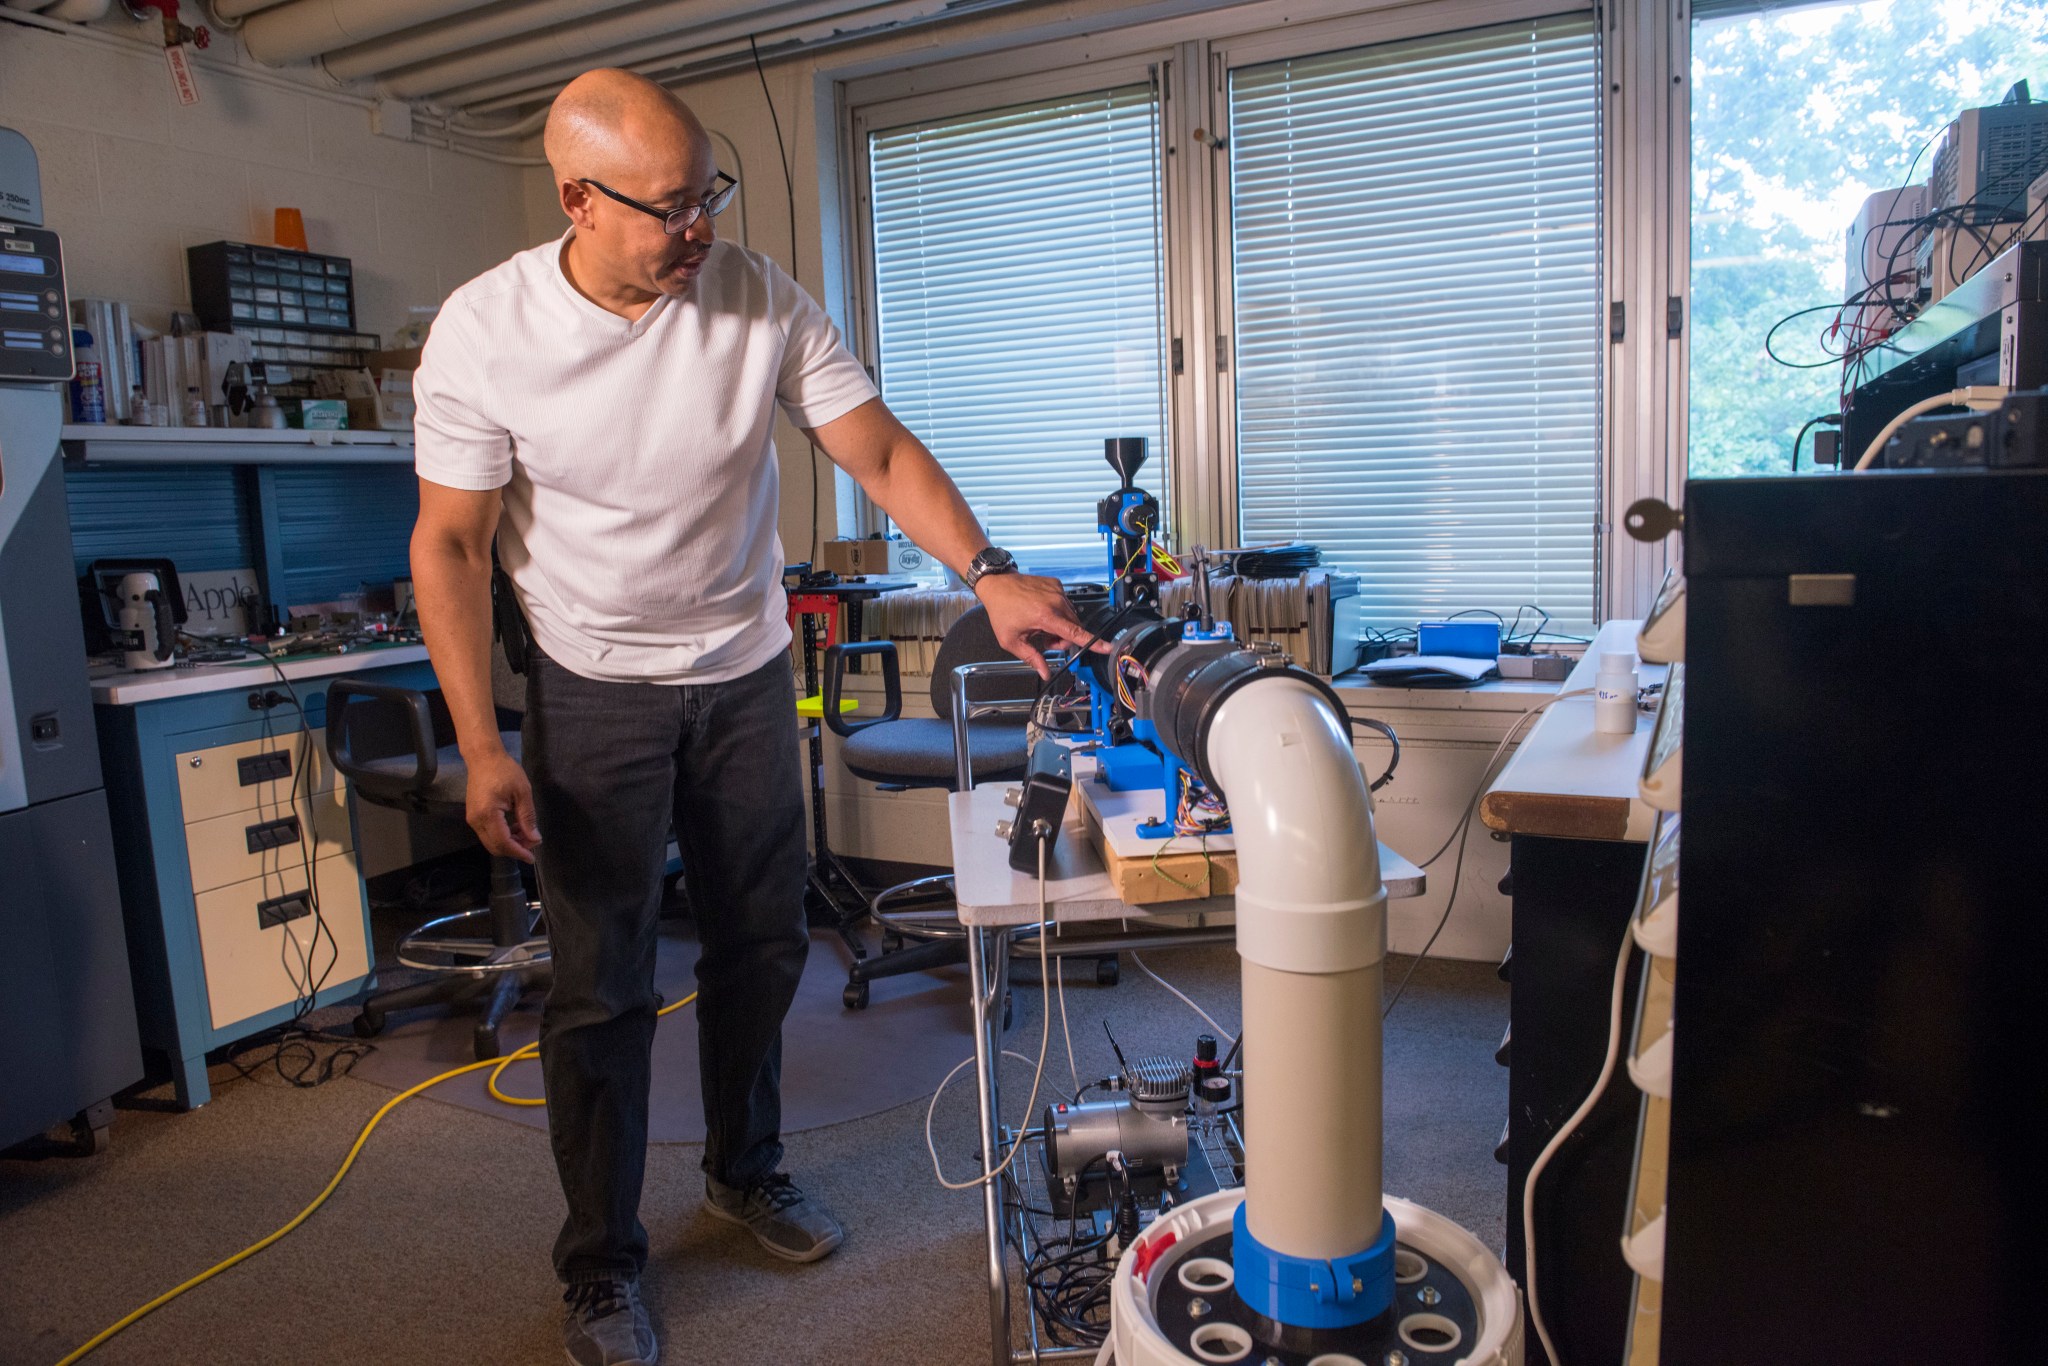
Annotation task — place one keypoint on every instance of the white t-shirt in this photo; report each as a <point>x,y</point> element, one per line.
<point>637,459</point>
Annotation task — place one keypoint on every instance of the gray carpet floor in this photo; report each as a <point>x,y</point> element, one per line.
<point>922,1022</point>
<point>435,1247</point>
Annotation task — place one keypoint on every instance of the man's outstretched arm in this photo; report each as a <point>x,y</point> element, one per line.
<point>1029,613</point>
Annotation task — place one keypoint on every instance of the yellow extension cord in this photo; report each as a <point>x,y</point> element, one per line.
<point>498,1064</point>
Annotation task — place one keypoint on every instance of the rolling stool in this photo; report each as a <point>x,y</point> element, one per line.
<point>384,740</point>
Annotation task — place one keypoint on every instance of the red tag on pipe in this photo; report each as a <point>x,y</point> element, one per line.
<point>181,75</point>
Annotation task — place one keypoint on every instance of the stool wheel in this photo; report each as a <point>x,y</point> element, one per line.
<point>368,1026</point>
<point>855,996</point>
<point>1107,974</point>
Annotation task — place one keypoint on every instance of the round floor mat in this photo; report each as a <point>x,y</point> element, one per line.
<point>837,1064</point>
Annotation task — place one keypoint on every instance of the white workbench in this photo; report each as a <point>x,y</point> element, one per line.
<point>125,689</point>
<point>1570,781</point>
<point>992,894</point>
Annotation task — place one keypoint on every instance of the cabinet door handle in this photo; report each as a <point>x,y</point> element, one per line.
<point>279,909</point>
<point>275,834</point>
<point>264,768</point>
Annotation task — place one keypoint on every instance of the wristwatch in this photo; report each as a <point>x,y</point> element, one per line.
<point>992,560</point>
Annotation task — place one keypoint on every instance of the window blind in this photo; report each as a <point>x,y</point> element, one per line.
<point>1418,345</point>
<point>1018,304</point>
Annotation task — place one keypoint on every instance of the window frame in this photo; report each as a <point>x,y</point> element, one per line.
<point>1389,26</point>
<point>913,106</point>
<point>1645,266</point>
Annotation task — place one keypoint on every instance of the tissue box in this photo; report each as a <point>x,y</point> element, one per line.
<point>319,414</point>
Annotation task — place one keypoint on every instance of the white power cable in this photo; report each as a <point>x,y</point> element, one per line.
<point>1207,1018</point>
<point>1044,1043</point>
<point>1980,398</point>
<point>1459,832</point>
<point>1557,1141</point>
<point>1060,977</point>
<point>1486,770</point>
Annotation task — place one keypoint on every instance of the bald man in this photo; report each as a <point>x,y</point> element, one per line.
<point>603,406</point>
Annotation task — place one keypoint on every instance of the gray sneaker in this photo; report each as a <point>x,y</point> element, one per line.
<point>783,1219</point>
<point>607,1325</point>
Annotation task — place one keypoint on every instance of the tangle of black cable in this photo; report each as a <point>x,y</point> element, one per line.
<point>295,1046</point>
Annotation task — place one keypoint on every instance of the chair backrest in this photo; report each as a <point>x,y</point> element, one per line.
<point>971,640</point>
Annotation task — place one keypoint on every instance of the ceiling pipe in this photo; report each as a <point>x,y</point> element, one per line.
<point>463,34</point>
<point>708,35</point>
<point>241,9</point>
<point>673,22</point>
<point>693,61</point>
<point>307,28</point>
<point>518,128</point>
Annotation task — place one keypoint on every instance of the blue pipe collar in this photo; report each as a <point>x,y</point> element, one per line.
<point>1304,1293</point>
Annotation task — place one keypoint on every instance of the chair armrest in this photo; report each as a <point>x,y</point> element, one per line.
<point>835,680</point>
<point>964,711</point>
<point>410,703</point>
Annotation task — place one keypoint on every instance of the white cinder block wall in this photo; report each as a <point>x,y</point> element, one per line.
<point>131,178</point>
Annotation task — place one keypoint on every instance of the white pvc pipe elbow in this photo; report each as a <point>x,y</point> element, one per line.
<point>1309,896</point>
<point>1312,933</point>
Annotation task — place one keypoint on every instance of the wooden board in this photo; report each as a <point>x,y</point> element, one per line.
<point>1146,872</point>
<point>989,893</point>
<point>1569,781</point>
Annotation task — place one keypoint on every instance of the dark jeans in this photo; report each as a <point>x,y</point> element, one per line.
<point>612,765</point>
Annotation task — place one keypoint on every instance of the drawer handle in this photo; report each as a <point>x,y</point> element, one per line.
<point>264,768</point>
<point>275,834</point>
<point>279,909</point>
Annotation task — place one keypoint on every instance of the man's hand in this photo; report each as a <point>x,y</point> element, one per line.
<point>1030,614</point>
<point>500,807</point>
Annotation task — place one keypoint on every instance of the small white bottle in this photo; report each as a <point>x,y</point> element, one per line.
<point>195,407</point>
<point>1614,694</point>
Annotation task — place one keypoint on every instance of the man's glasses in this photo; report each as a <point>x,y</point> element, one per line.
<point>674,221</point>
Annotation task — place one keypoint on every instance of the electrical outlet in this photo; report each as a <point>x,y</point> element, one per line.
<point>392,119</point>
<point>280,910</point>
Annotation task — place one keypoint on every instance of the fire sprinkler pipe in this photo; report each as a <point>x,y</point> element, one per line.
<point>307,28</point>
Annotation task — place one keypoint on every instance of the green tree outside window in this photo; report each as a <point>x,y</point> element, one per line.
<point>1797,116</point>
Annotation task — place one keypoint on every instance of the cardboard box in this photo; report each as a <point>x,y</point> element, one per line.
<point>892,558</point>
<point>380,403</point>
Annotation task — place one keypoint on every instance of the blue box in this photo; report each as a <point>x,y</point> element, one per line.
<point>1464,639</point>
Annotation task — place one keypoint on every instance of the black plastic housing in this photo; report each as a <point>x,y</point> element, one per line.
<point>1048,783</point>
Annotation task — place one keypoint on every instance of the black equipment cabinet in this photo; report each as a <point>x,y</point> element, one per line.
<point>1572,899</point>
<point>1858,1104</point>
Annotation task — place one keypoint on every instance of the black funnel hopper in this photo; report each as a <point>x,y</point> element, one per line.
<point>1126,455</point>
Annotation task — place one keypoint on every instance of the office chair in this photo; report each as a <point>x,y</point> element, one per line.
<point>389,743</point>
<point>896,753</point>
